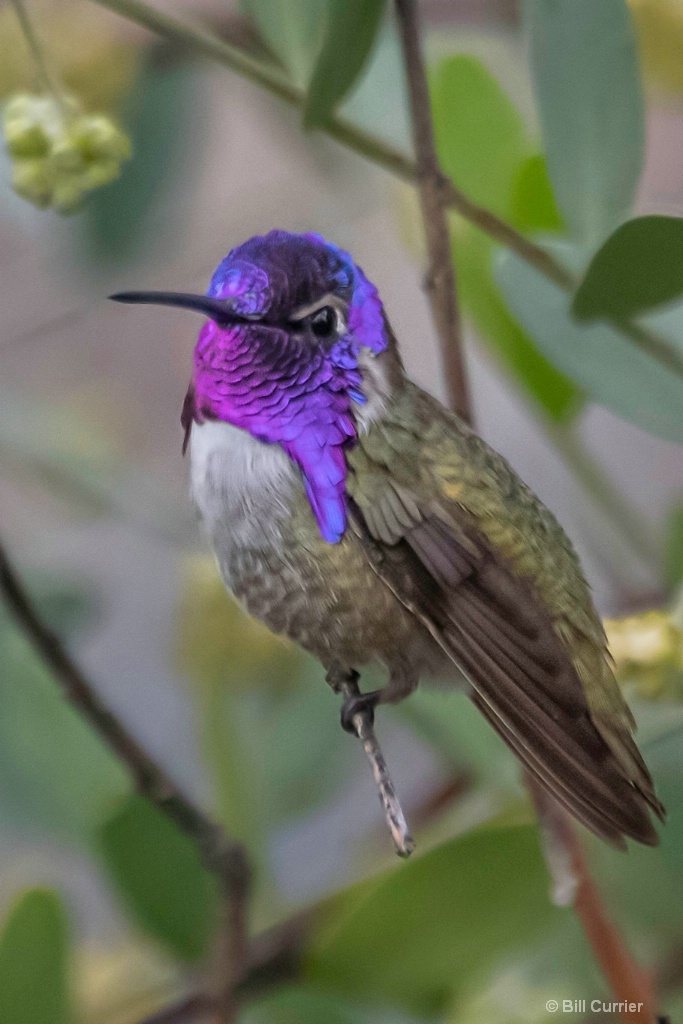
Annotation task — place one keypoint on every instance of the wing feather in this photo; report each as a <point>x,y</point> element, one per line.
<point>494,629</point>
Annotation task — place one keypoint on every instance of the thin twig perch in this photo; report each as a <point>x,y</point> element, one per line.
<point>393,812</point>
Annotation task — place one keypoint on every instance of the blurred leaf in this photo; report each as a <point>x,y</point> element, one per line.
<point>673,552</point>
<point>233,748</point>
<point>301,733</point>
<point>55,772</point>
<point>479,133</point>
<point>638,267</point>
<point>665,758</point>
<point>299,1005</point>
<point>379,101</point>
<point>34,961</point>
<point>533,206</point>
<point>455,729</point>
<point>161,880</point>
<point>158,120</point>
<point>644,890</point>
<point>613,371</point>
<point>293,29</point>
<point>494,169</point>
<point>483,302</point>
<point>587,82</point>
<point>350,38</point>
<point>266,751</point>
<point>427,931</point>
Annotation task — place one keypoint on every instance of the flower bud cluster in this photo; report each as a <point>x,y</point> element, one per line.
<point>58,153</point>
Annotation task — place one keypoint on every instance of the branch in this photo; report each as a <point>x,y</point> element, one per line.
<point>224,857</point>
<point>573,886</point>
<point>393,812</point>
<point>433,186</point>
<point>268,76</point>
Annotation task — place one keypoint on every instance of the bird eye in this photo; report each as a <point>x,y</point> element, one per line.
<point>323,322</point>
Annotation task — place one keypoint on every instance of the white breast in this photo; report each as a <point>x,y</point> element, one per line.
<point>241,486</point>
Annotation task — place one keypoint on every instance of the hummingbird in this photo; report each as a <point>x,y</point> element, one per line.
<point>349,510</point>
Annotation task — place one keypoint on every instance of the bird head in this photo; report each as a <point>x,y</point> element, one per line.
<point>296,350</point>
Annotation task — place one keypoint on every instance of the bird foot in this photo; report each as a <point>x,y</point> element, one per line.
<point>358,704</point>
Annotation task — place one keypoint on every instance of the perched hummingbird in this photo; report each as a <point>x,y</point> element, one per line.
<point>349,510</point>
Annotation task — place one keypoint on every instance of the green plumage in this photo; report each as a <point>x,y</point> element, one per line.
<point>422,458</point>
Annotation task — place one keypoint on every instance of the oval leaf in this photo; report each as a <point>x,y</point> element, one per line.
<point>640,266</point>
<point>293,30</point>
<point>533,206</point>
<point>418,935</point>
<point>160,877</point>
<point>55,772</point>
<point>613,370</point>
<point>482,301</point>
<point>351,34</point>
<point>34,961</point>
<point>588,88</point>
<point>479,133</point>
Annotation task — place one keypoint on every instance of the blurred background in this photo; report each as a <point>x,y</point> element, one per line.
<point>94,508</point>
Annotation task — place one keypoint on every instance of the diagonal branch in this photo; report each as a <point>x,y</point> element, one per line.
<point>223,856</point>
<point>433,186</point>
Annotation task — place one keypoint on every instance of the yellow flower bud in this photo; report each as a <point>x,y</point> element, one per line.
<point>66,157</point>
<point>99,138</point>
<point>20,107</point>
<point>34,180</point>
<point>100,173</point>
<point>24,139</point>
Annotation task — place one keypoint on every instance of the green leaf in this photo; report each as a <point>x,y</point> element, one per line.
<point>673,551</point>
<point>421,934</point>
<point>638,267</point>
<point>456,730</point>
<point>118,219</point>
<point>300,1005</point>
<point>54,771</point>
<point>294,31</point>
<point>157,871</point>
<point>34,967</point>
<point>479,133</point>
<point>587,82</point>
<point>533,206</point>
<point>612,370</point>
<point>351,34</point>
<point>482,301</point>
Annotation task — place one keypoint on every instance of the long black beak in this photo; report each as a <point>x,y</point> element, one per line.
<point>219,310</point>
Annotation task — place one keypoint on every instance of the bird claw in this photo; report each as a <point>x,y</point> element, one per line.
<point>358,704</point>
